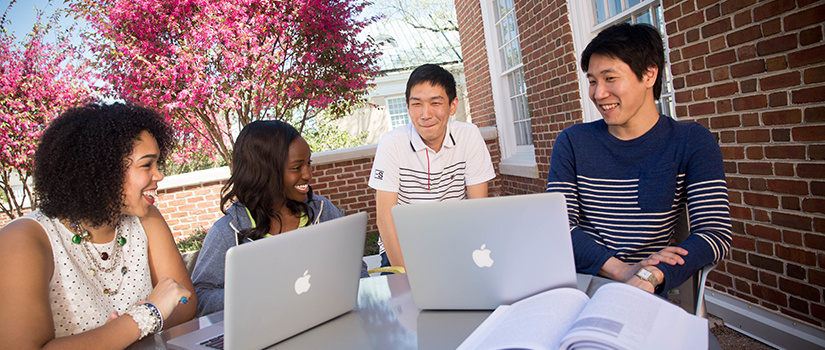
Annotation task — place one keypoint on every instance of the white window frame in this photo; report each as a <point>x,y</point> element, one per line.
<point>515,160</point>
<point>582,20</point>
<point>405,113</point>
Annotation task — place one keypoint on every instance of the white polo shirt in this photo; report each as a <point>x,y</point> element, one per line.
<point>405,165</point>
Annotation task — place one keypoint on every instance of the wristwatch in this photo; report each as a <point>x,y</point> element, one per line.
<point>646,275</point>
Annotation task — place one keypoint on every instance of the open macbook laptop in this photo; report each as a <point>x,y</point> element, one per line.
<point>482,253</point>
<point>283,285</point>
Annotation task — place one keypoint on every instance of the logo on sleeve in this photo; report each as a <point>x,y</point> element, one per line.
<point>379,174</point>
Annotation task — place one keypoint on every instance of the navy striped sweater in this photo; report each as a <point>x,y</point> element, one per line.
<point>624,197</point>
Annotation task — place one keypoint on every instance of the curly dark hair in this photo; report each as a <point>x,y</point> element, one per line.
<point>257,181</point>
<point>80,164</point>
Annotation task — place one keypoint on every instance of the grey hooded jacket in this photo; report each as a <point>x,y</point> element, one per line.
<point>208,275</point>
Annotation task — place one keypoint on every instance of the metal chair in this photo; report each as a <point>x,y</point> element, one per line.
<point>692,291</point>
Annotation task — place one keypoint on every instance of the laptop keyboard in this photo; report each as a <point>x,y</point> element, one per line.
<point>215,342</point>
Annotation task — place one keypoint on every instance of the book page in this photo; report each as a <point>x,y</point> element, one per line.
<point>537,322</point>
<point>629,318</point>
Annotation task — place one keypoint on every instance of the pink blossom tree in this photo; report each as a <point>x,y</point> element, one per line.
<point>215,65</point>
<point>38,81</point>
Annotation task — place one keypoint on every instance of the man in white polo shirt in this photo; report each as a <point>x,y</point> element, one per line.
<point>430,159</point>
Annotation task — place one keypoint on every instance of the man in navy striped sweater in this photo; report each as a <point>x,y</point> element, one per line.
<point>628,176</point>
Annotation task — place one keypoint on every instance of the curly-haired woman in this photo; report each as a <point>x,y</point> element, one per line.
<point>270,194</point>
<point>96,266</point>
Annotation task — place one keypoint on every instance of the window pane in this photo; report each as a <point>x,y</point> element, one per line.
<point>601,14</point>
<point>631,3</point>
<point>397,108</point>
<point>615,6</point>
<point>644,18</point>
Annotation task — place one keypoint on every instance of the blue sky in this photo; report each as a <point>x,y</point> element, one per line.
<point>22,14</point>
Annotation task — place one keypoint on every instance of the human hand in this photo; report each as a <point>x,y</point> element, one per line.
<point>112,316</point>
<point>671,255</point>
<point>640,283</point>
<point>166,296</point>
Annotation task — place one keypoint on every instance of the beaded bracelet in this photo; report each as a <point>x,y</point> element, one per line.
<point>148,318</point>
<point>158,316</point>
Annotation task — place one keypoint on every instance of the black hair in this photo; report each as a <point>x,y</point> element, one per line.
<point>435,75</point>
<point>640,46</point>
<point>80,164</point>
<point>259,158</point>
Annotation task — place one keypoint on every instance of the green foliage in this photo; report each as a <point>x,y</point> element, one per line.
<point>192,242</point>
<point>323,135</point>
<point>371,244</point>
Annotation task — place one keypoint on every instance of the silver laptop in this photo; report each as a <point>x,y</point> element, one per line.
<point>283,285</point>
<point>482,253</point>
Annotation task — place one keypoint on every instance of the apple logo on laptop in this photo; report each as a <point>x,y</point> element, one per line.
<point>302,283</point>
<point>481,257</point>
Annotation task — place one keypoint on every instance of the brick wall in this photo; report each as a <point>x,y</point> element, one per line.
<point>753,72</point>
<point>341,176</point>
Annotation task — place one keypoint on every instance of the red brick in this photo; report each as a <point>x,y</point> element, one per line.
<point>814,75</point>
<point>778,99</point>
<point>792,221</point>
<point>809,133</point>
<point>718,27</point>
<point>766,232</point>
<point>738,212</point>
<point>811,171</point>
<point>751,102</point>
<point>804,18</point>
<point>742,19</point>
<point>780,81</point>
<point>785,152</point>
<point>816,152</point>
<point>781,135</point>
<point>748,68</point>
<point>722,90</point>
<point>742,271</point>
<point>790,116</point>
<point>747,86</point>
<point>732,152</point>
<point>743,242</point>
<point>814,115</point>
<point>806,56</point>
<point>799,289</point>
<point>695,50</point>
<point>776,45</point>
<point>768,278</point>
<point>792,237</point>
<point>761,200</point>
<point>755,152</point>
<point>788,186</point>
<point>752,136</point>
<point>764,248</point>
<point>740,183</point>
<point>732,6</point>
<point>699,78</point>
<point>776,63</point>
<point>771,9</point>
<point>815,241</point>
<point>813,205</point>
<point>755,168</point>
<point>766,263</point>
<point>798,305</point>
<point>703,108</point>
<point>750,119</point>
<point>758,183</point>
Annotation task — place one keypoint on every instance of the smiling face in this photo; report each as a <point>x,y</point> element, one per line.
<point>430,110</point>
<point>142,176</point>
<point>298,170</point>
<point>625,102</point>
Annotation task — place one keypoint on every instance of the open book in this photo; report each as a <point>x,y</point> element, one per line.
<point>618,316</point>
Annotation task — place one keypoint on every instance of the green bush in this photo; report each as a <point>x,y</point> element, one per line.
<point>192,242</point>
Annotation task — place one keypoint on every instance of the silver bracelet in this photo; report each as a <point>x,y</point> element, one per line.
<point>158,316</point>
<point>148,318</point>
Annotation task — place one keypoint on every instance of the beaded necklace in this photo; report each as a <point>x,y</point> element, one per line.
<point>83,238</point>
